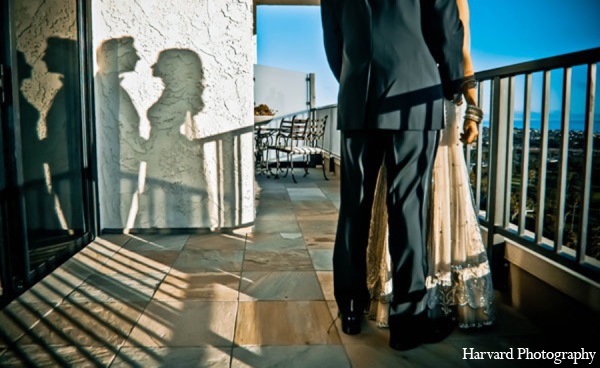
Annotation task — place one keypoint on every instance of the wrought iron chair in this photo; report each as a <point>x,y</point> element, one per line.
<point>300,137</point>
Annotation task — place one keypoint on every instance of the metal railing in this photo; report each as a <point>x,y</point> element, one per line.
<point>548,175</point>
<point>505,153</point>
<point>332,135</point>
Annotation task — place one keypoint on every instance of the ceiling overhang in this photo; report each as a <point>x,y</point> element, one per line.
<point>287,2</point>
<point>279,2</point>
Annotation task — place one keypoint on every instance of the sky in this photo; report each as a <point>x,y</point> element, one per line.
<point>503,32</point>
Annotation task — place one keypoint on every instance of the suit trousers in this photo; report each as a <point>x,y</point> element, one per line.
<point>409,157</point>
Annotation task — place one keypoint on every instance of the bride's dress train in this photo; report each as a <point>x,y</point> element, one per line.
<point>459,281</point>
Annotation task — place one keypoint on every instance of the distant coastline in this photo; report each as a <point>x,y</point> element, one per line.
<point>576,125</point>
<point>556,124</point>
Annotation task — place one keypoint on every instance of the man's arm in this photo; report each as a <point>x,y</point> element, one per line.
<point>332,35</point>
<point>444,34</point>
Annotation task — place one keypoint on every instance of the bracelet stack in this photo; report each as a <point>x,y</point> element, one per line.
<point>474,113</point>
<point>468,84</point>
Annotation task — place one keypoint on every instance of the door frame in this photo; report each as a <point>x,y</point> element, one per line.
<point>16,274</point>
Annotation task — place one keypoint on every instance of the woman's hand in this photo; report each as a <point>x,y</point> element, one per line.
<point>470,132</point>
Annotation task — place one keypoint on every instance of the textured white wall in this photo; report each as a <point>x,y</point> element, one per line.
<point>174,112</point>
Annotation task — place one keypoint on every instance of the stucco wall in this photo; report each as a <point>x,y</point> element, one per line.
<point>174,112</point>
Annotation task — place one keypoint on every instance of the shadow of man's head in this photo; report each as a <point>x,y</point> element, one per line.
<point>60,55</point>
<point>117,55</point>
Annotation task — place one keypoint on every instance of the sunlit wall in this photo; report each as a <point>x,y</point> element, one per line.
<point>174,113</point>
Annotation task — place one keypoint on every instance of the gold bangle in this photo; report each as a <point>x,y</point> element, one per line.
<point>473,118</point>
<point>472,109</point>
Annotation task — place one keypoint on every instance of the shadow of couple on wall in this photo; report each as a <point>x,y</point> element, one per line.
<point>156,171</point>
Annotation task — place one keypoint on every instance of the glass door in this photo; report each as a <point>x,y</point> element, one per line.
<point>3,258</point>
<point>49,124</point>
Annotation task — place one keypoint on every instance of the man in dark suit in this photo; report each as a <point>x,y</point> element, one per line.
<point>395,61</point>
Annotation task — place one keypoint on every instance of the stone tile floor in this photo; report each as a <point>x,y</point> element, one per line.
<point>259,297</point>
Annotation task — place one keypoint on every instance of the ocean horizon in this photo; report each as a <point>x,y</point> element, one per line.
<point>556,124</point>
<point>577,125</point>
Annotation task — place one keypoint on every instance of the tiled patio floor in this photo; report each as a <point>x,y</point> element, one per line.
<point>252,298</point>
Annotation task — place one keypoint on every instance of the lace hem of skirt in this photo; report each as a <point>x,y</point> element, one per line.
<point>467,291</point>
<point>476,324</point>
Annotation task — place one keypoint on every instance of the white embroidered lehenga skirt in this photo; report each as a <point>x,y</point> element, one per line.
<point>459,281</point>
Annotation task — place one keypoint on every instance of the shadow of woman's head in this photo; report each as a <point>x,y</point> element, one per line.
<point>117,55</point>
<point>182,74</point>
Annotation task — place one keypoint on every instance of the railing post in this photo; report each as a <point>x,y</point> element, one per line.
<point>525,154</point>
<point>311,99</point>
<point>559,226</point>
<point>509,151</point>
<point>478,159</point>
<point>498,158</point>
<point>590,99</point>
<point>543,161</point>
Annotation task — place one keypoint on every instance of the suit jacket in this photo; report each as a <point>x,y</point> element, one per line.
<point>395,60</point>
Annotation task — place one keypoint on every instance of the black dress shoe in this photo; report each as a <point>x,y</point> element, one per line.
<point>350,323</point>
<point>405,342</point>
<point>437,330</point>
<point>419,330</point>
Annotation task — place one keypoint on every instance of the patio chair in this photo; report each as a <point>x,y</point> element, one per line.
<point>301,137</point>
